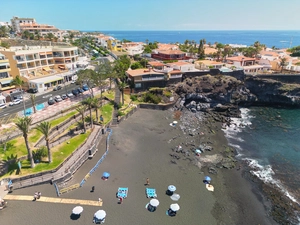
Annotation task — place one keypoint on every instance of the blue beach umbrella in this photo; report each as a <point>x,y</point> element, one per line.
<point>207,178</point>
<point>172,188</point>
<point>106,174</point>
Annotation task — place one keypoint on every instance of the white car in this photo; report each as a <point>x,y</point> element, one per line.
<point>57,98</point>
<point>2,106</point>
<point>70,95</point>
<point>15,102</point>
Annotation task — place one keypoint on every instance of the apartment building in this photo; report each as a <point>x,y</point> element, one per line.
<point>16,23</point>
<point>43,67</point>
<point>5,78</point>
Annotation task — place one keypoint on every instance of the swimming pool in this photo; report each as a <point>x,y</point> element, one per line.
<point>38,107</point>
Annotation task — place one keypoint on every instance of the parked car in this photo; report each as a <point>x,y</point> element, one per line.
<point>70,95</point>
<point>2,106</point>
<point>32,90</point>
<point>80,90</point>
<point>57,98</point>
<point>64,96</point>
<point>15,102</point>
<point>58,87</point>
<point>51,101</point>
<point>85,87</point>
<point>75,92</point>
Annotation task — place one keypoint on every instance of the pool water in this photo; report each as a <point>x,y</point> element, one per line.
<point>38,107</point>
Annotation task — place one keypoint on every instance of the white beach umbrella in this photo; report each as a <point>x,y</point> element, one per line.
<point>77,210</point>
<point>175,197</point>
<point>175,122</point>
<point>154,202</point>
<point>100,214</point>
<point>174,207</point>
<point>171,188</point>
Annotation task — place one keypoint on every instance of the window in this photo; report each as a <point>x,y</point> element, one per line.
<point>138,85</point>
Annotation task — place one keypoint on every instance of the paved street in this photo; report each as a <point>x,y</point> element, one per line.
<point>40,98</point>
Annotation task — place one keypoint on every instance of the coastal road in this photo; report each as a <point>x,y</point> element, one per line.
<point>9,110</point>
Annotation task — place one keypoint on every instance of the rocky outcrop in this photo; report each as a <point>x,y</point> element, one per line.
<point>224,94</point>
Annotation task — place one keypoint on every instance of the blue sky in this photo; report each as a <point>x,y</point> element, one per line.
<point>105,15</point>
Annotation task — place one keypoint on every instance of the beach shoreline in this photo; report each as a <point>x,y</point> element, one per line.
<point>140,148</point>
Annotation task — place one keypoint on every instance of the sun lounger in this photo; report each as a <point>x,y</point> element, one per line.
<point>122,192</point>
<point>151,193</point>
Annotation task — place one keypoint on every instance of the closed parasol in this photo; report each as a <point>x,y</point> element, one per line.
<point>171,188</point>
<point>175,197</point>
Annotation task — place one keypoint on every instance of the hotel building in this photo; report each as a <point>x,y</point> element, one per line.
<point>43,67</point>
<point>5,78</point>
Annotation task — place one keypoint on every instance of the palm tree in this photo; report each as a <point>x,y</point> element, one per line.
<point>4,31</point>
<point>32,98</point>
<point>37,35</point>
<point>44,128</point>
<point>122,86</point>
<point>81,110</point>
<point>26,35</point>
<point>89,103</point>
<point>19,82</point>
<point>96,105</point>
<point>282,63</point>
<point>23,124</point>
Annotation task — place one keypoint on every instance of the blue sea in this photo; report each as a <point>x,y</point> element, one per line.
<point>279,39</point>
<point>268,140</point>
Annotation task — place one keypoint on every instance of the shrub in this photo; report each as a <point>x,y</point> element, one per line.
<point>133,97</point>
<point>168,93</point>
<point>120,113</point>
<point>149,97</point>
<point>40,153</point>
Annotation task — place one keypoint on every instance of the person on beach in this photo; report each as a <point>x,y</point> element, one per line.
<point>120,200</point>
<point>93,188</point>
<point>147,182</point>
<point>35,196</point>
<point>39,194</point>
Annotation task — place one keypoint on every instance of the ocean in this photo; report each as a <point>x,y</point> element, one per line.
<point>279,39</point>
<point>268,139</point>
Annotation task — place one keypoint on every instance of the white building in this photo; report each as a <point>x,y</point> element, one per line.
<point>16,22</point>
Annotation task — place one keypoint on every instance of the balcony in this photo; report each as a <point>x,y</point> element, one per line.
<point>42,57</point>
<point>49,56</point>
<point>57,54</point>
<point>20,59</point>
<point>29,58</point>
<point>21,67</point>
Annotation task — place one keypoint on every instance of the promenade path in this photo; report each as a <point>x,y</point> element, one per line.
<point>54,200</point>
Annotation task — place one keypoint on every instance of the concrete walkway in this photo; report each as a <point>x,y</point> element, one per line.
<point>54,200</point>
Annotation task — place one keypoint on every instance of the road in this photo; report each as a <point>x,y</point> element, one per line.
<point>39,99</point>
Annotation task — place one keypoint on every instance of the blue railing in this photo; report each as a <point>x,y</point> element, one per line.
<point>100,160</point>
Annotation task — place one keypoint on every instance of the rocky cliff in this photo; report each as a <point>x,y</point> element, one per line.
<point>224,94</point>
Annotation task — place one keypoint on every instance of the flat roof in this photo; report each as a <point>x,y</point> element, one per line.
<point>46,80</point>
<point>139,72</point>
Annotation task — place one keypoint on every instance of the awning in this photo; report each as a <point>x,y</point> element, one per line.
<point>46,68</point>
<point>61,67</point>
<point>67,58</point>
<point>6,81</point>
<point>42,53</point>
<point>46,80</point>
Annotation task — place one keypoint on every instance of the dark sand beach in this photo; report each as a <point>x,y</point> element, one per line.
<point>139,149</point>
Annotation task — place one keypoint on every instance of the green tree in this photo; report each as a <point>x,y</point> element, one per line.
<point>23,125</point>
<point>81,110</point>
<point>201,53</point>
<point>45,128</point>
<point>37,35</point>
<point>4,31</point>
<point>136,65</point>
<point>25,35</point>
<point>282,63</point>
<point>96,105</point>
<point>19,83</point>
<point>32,99</point>
<point>89,103</point>
<point>50,36</point>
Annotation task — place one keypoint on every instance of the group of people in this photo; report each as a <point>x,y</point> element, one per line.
<point>37,195</point>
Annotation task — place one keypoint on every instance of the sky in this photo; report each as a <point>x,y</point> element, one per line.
<point>108,15</point>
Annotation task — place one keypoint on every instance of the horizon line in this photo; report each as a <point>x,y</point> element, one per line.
<point>186,30</point>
